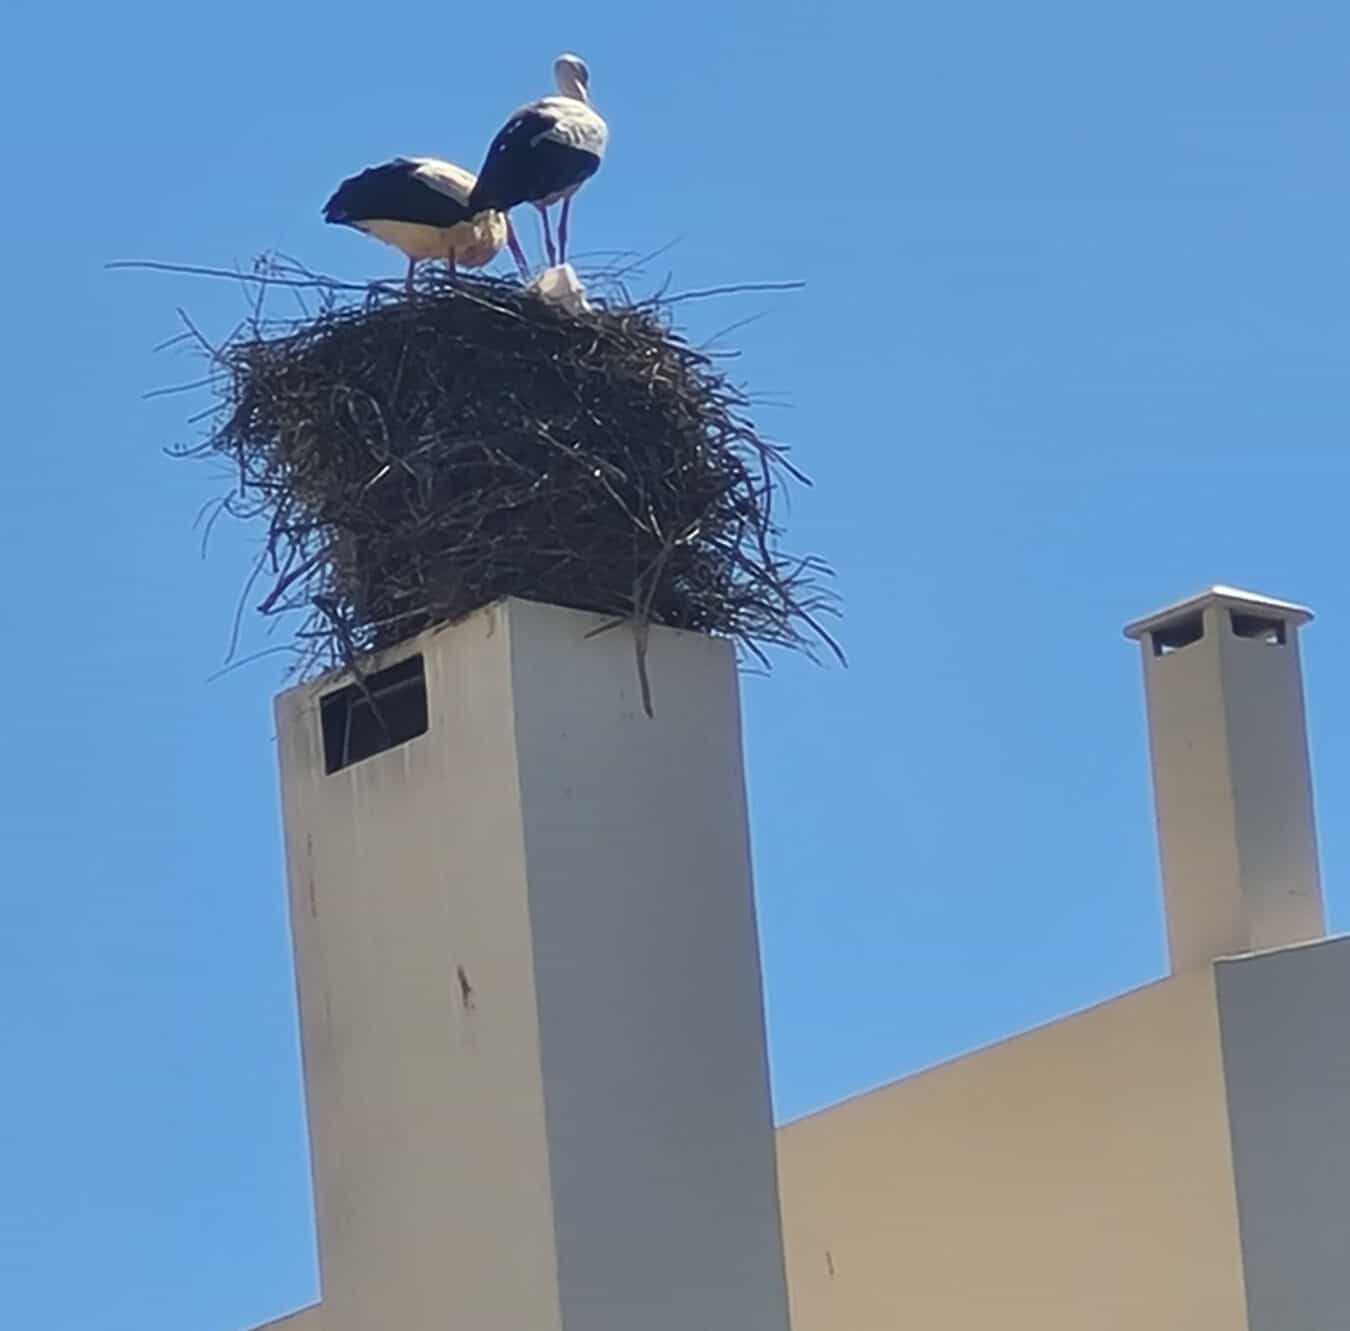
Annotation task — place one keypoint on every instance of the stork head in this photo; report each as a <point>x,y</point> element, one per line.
<point>574,79</point>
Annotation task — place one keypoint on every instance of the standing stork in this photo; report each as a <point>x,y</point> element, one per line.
<point>543,155</point>
<point>421,206</point>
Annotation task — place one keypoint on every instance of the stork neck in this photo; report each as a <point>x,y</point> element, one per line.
<point>573,87</point>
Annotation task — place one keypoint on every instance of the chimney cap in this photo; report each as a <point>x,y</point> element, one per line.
<point>1233,598</point>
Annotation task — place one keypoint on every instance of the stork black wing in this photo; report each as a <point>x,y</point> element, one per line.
<point>392,192</point>
<point>522,166</point>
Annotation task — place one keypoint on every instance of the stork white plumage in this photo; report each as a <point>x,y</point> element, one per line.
<point>420,205</point>
<point>543,155</point>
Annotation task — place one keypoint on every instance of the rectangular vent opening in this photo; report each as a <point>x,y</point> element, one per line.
<point>1263,628</point>
<point>1181,633</point>
<point>360,721</point>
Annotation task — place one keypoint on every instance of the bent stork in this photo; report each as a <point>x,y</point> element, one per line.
<point>544,154</point>
<point>421,206</point>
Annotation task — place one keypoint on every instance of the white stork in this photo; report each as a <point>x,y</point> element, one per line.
<point>544,154</point>
<point>421,206</point>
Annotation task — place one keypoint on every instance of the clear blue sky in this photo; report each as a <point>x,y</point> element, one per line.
<point>1074,343</point>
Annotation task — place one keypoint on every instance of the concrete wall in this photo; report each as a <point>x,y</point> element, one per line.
<point>1286,1046</point>
<point>647,972</point>
<point>530,1010</point>
<point>1231,779</point>
<point>1077,1176</point>
<point>426,1116</point>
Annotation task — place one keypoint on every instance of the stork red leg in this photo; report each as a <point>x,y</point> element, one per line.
<point>516,252</point>
<point>562,230</point>
<point>548,237</point>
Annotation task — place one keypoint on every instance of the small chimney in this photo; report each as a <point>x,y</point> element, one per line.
<point>1231,779</point>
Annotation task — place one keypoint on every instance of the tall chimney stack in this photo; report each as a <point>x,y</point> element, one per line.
<point>1231,779</point>
<point>533,1039</point>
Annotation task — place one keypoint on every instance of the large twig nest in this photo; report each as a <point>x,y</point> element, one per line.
<point>418,459</point>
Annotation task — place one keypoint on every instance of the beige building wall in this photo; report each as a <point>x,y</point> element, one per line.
<point>1126,1167</point>
<point>307,1319</point>
<point>1074,1178</point>
<point>1286,1049</point>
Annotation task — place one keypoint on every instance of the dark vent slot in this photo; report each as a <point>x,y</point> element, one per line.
<point>1173,637</point>
<point>1260,627</point>
<point>360,722</point>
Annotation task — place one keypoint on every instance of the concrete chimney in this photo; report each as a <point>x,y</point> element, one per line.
<point>529,986</point>
<point>1231,780</point>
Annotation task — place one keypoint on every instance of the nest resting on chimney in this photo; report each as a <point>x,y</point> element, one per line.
<point>417,459</point>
